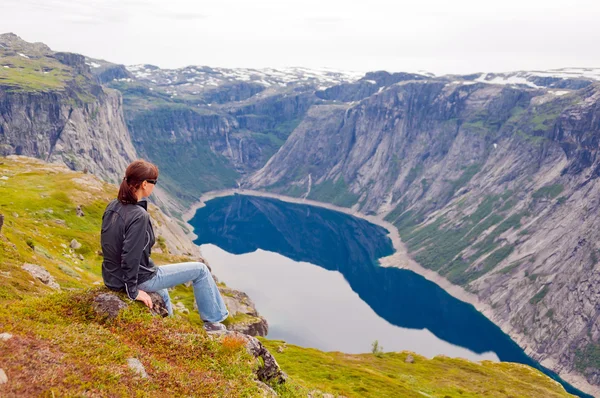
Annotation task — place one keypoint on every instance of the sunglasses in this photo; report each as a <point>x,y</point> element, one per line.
<point>153,182</point>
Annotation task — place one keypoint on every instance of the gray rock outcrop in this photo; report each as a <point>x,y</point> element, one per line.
<point>41,274</point>
<point>108,305</point>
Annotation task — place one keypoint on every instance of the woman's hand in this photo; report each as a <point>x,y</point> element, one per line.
<point>144,298</point>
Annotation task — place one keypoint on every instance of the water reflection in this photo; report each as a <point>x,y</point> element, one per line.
<point>335,241</point>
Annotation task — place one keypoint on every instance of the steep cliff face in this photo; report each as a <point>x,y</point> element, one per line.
<point>51,108</point>
<point>494,187</point>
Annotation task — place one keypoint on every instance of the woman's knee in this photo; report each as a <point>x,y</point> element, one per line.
<point>202,269</point>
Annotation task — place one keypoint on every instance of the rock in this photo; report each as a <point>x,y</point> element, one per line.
<point>80,256</point>
<point>158,305</point>
<point>108,305</point>
<point>267,391</point>
<point>282,347</point>
<point>5,336</point>
<point>15,215</point>
<point>252,326</point>
<point>75,244</point>
<point>60,222</point>
<point>1,222</point>
<point>135,365</point>
<point>181,308</point>
<point>238,302</point>
<point>3,377</point>
<point>79,212</point>
<point>41,274</point>
<point>268,370</point>
<point>409,359</point>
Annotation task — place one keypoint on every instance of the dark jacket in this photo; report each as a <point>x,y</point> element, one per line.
<point>126,239</point>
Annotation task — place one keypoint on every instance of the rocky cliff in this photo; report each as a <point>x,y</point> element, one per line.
<point>494,186</point>
<point>51,108</point>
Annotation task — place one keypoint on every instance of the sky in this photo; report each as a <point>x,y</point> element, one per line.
<point>438,36</point>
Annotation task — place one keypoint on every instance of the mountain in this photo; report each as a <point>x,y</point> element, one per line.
<point>491,179</point>
<point>493,186</point>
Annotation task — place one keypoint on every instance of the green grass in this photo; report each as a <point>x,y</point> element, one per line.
<point>389,375</point>
<point>539,296</point>
<point>38,73</point>
<point>548,192</point>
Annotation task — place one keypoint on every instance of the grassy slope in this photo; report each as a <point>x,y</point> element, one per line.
<point>69,351</point>
<point>388,375</point>
<point>35,73</point>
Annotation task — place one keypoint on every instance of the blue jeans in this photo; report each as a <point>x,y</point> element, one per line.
<point>208,298</point>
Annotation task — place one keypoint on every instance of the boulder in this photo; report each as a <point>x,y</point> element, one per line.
<point>41,274</point>
<point>108,305</point>
<point>79,212</point>
<point>250,322</point>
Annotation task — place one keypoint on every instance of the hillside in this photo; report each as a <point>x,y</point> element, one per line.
<point>68,349</point>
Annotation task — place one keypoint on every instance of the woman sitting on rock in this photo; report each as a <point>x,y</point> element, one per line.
<point>127,237</point>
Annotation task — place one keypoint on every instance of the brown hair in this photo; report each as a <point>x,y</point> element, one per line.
<point>137,172</point>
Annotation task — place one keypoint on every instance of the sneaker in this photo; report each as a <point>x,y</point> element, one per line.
<point>212,327</point>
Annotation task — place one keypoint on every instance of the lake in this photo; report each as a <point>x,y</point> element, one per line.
<point>314,275</point>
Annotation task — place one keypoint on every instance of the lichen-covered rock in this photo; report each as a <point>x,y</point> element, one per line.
<point>41,274</point>
<point>108,305</point>
<point>252,326</point>
<point>244,317</point>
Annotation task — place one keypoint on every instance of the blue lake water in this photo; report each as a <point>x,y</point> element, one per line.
<point>313,274</point>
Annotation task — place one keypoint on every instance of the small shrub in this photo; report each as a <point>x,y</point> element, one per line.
<point>376,349</point>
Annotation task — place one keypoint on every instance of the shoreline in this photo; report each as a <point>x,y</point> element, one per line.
<point>401,259</point>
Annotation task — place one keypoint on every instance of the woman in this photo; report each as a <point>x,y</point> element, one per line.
<point>126,239</point>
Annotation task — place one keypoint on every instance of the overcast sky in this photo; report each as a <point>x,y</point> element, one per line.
<point>439,36</point>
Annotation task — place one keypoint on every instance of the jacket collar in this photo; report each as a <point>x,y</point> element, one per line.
<point>143,203</point>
